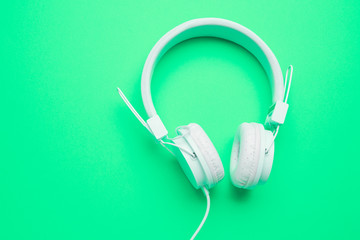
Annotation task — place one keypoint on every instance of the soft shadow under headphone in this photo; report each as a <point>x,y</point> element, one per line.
<point>253,148</point>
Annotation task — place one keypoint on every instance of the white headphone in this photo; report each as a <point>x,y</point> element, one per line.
<point>253,148</point>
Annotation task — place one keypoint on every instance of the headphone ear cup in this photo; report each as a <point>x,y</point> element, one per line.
<point>206,168</point>
<point>208,153</point>
<point>248,155</point>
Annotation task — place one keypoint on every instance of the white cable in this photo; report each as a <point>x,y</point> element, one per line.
<point>122,95</point>
<point>192,154</point>
<point>162,144</point>
<point>286,78</point>
<point>272,143</point>
<point>285,101</point>
<point>206,192</point>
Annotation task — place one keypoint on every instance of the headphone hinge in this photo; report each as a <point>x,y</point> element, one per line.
<point>276,115</point>
<point>157,127</point>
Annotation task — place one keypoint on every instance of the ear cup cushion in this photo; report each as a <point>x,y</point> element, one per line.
<point>208,151</point>
<point>245,155</point>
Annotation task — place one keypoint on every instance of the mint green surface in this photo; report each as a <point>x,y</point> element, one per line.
<point>76,164</point>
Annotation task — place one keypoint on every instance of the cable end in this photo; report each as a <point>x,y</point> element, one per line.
<point>207,195</point>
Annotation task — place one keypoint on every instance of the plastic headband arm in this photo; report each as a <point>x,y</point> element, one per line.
<point>146,125</point>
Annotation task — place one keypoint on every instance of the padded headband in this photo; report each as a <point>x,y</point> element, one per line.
<point>212,27</point>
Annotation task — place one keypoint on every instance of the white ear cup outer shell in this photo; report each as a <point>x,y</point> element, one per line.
<point>249,165</point>
<point>207,168</point>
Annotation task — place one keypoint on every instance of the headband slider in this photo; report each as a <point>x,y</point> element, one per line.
<point>157,127</point>
<point>276,114</point>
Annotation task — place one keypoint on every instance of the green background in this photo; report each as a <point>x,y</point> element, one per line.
<point>76,164</point>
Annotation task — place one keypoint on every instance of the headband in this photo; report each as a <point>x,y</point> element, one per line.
<point>224,29</point>
<point>212,27</point>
